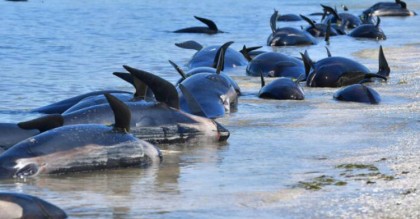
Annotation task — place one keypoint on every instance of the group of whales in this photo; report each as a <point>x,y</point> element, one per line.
<point>114,128</point>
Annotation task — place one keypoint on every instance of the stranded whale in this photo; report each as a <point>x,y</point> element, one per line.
<point>82,147</point>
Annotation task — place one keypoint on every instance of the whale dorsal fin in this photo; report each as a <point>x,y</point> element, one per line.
<point>245,51</point>
<point>307,62</point>
<point>125,76</point>
<point>192,103</point>
<point>378,21</point>
<point>331,11</point>
<point>273,21</point>
<point>122,113</point>
<point>384,69</point>
<point>209,23</point>
<point>328,32</point>
<point>328,52</point>
<point>190,44</point>
<point>403,4</point>
<point>262,79</point>
<point>178,69</point>
<point>44,123</point>
<point>310,22</point>
<point>219,59</point>
<point>163,90</point>
<point>141,88</point>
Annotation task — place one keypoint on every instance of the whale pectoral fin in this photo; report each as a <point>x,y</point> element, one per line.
<point>27,171</point>
<point>208,22</point>
<point>44,123</point>
<point>178,69</point>
<point>384,69</point>
<point>192,103</point>
<point>190,44</point>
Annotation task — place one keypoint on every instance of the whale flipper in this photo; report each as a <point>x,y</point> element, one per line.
<point>178,69</point>
<point>164,91</point>
<point>122,113</point>
<point>192,103</point>
<point>190,44</point>
<point>209,23</point>
<point>44,123</point>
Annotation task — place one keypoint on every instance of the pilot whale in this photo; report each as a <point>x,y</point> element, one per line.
<point>210,29</point>
<point>81,147</point>
<point>159,121</point>
<point>17,205</point>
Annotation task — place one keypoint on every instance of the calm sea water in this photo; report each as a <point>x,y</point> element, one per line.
<point>55,49</point>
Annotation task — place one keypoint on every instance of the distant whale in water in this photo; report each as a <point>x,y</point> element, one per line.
<point>210,29</point>
<point>397,8</point>
<point>16,205</point>
<point>83,147</point>
<point>288,17</point>
<point>344,19</point>
<point>287,36</point>
<point>206,56</point>
<point>371,31</point>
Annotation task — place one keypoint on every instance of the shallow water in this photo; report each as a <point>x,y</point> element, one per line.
<point>51,50</point>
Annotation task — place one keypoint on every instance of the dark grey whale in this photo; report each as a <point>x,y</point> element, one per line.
<point>82,147</point>
<point>17,205</point>
<point>210,29</point>
<point>340,71</point>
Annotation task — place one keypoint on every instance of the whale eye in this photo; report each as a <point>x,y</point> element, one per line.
<point>26,171</point>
